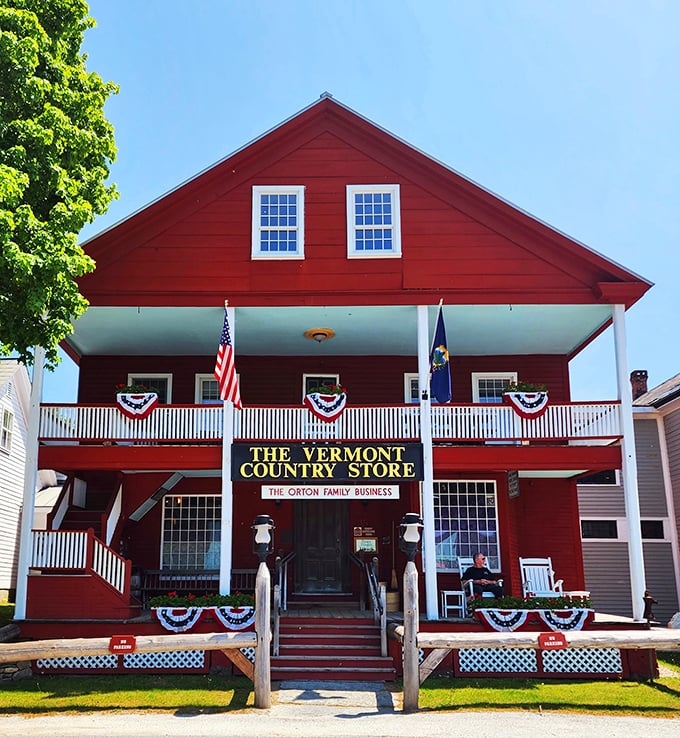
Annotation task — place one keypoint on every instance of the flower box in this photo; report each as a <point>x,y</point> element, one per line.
<point>183,619</point>
<point>505,619</point>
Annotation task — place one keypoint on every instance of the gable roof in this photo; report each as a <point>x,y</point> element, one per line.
<point>13,371</point>
<point>609,281</point>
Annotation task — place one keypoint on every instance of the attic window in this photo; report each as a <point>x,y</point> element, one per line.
<point>278,222</point>
<point>373,221</point>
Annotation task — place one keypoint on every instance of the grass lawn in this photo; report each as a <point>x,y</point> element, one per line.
<point>187,694</point>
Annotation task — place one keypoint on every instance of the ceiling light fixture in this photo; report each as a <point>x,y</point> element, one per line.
<point>319,334</point>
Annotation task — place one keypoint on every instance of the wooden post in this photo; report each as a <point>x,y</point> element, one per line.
<point>411,615</point>
<point>262,671</point>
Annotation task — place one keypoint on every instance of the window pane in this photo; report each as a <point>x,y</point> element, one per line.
<point>191,532</point>
<point>465,522</point>
<point>652,529</point>
<point>599,529</point>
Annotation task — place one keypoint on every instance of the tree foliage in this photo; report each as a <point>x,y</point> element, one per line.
<point>56,147</point>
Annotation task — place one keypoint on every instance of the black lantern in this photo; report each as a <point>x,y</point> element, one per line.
<point>263,542</point>
<point>409,535</point>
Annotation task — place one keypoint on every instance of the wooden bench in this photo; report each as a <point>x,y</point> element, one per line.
<point>156,582</point>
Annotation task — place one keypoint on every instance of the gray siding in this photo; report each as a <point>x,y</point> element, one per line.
<point>650,471</point>
<point>608,579</point>
<point>672,429</point>
<point>601,501</point>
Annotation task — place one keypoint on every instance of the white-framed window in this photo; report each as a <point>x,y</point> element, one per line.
<point>488,387</point>
<point>7,430</point>
<point>373,221</point>
<point>207,390</point>
<point>411,394</point>
<point>278,222</point>
<point>609,477</point>
<point>465,521</point>
<point>191,532</point>
<point>161,384</point>
<point>310,382</point>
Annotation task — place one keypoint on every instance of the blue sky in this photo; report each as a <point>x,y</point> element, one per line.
<point>568,109</point>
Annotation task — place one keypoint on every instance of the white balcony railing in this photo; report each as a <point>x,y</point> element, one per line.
<point>590,423</point>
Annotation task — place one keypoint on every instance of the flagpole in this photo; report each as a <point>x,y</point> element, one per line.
<point>226,519</point>
<point>429,553</point>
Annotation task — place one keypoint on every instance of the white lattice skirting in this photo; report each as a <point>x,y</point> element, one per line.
<point>161,660</point>
<point>525,660</point>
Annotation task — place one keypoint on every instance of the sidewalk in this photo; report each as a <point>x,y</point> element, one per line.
<point>335,709</point>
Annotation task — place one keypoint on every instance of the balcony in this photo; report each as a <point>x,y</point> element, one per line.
<point>573,423</point>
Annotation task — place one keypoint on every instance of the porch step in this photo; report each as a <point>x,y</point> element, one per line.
<point>329,648</point>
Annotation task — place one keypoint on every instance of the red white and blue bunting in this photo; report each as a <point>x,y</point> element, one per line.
<point>574,620</point>
<point>137,406</point>
<point>235,618</point>
<point>182,619</point>
<point>529,405</point>
<point>326,407</point>
<point>179,619</point>
<point>502,620</point>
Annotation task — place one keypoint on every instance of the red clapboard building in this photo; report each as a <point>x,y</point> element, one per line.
<point>334,243</point>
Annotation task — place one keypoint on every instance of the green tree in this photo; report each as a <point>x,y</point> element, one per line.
<point>56,147</point>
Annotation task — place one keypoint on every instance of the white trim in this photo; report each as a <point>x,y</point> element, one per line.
<point>409,378</point>
<point>395,226</point>
<point>476,376</point>
<point>670,504</point>
<point>299,229</point>
<point>132,376</point>
<point>6,431</point>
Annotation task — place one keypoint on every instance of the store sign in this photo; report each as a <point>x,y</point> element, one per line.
<point>326,492</point>
<point>326,462</point>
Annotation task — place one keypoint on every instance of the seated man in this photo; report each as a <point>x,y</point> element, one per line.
<point>482,579</point>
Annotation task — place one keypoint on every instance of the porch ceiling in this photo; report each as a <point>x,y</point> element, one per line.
<point>472,330</point>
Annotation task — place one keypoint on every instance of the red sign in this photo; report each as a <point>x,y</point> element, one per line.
<point>552,640</point>
<point>122,644</point>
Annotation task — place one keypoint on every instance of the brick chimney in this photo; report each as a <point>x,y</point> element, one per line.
<point>638,382</point>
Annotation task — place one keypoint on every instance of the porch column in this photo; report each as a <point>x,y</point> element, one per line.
<point>629,466</point>
<point>30,480</point>
<point>227,519</point>
<point>428,547</point>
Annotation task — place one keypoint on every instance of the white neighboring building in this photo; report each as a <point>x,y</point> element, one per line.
<point>15,392</point>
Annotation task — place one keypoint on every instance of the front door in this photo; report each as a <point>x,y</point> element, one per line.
<point>321,543</point>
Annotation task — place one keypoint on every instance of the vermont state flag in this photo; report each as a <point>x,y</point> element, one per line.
<point>440,371</point>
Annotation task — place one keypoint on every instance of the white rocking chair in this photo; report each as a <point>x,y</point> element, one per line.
<point>538,578</point>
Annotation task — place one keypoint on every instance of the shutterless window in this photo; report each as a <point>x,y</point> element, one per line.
<point>7,430</point>
<point>159,383</point>
<point>207,390</point>
<point>278,222</point>
<point>610,476</point>
<point>373,221</point>
<point>466,521</point>
<point>489,388</point>
<point>310,382</point>
<point>599,529</point>
<point>191,532</point>
<point>652,529</point>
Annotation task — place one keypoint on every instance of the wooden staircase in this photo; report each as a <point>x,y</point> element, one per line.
<point>326,648</point>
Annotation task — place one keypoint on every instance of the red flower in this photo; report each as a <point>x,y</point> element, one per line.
<point>191,597</point>
<point>172,594</point>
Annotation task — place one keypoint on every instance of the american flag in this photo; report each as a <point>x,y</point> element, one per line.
<point>225,371</point>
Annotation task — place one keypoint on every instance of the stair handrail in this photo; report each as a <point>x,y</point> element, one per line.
<point>61,506</point>
<point>112,515</point>
<point>281,577</point>
<point>276,636</point>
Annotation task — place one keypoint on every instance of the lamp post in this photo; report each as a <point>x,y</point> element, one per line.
<point>263,545</point>
<point>409,539</point>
